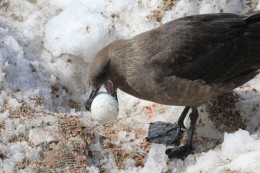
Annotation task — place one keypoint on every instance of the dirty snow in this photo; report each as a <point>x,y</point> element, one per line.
<point>45,47</point>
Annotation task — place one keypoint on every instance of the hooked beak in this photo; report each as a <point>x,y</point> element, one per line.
<point>93,93</point>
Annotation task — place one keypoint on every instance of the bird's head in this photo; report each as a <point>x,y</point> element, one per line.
<point>99,74</point>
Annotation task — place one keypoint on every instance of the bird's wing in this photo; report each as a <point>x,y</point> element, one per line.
<point>205,47</point>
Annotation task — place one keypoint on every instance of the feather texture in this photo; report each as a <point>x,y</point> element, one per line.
<point>186,61</point>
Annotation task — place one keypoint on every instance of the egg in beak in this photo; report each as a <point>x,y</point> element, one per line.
<point>108,85</point>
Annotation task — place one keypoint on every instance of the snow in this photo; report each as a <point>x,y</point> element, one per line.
<point>48,134</point>
<point>239,151</point>
<point>45,47</point>
<point>68,32</point>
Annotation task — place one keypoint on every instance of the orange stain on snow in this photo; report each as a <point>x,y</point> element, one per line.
<point>149,110</point>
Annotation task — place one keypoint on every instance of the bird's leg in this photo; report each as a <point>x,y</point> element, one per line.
<point>183,151</point>
<point>166,133</point>
<point>182,117</point>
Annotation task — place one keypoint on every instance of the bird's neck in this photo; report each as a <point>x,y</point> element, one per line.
<point>118,54</point>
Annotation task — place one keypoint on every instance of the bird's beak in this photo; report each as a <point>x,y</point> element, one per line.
<point>93,93</point>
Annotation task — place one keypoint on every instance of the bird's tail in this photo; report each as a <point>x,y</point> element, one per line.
<point>253,23</point>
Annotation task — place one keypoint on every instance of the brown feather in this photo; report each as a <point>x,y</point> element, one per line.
<point>186,61</point>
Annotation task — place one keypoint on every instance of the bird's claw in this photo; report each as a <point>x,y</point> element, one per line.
<point>179,152</point>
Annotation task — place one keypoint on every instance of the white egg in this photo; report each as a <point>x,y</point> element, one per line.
<point>104,108</point>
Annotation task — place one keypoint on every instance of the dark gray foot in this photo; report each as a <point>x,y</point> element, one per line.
<point>179,152</point>
<point>166,133</point>
<point>163,133</point>
<point>183,151</point>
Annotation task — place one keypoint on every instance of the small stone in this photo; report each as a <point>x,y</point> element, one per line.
<point>48,134</point>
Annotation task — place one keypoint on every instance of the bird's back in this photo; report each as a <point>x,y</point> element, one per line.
<point>209,54</point>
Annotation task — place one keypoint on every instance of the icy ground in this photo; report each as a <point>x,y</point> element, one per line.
<point>45,46</point>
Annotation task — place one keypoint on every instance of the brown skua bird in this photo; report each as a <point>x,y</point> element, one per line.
<point>185,62</point>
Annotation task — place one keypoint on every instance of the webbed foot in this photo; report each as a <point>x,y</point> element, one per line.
<point>163,133</point>
<point>167,133</point>
<point>183,151</point>
<point>179,152</point>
